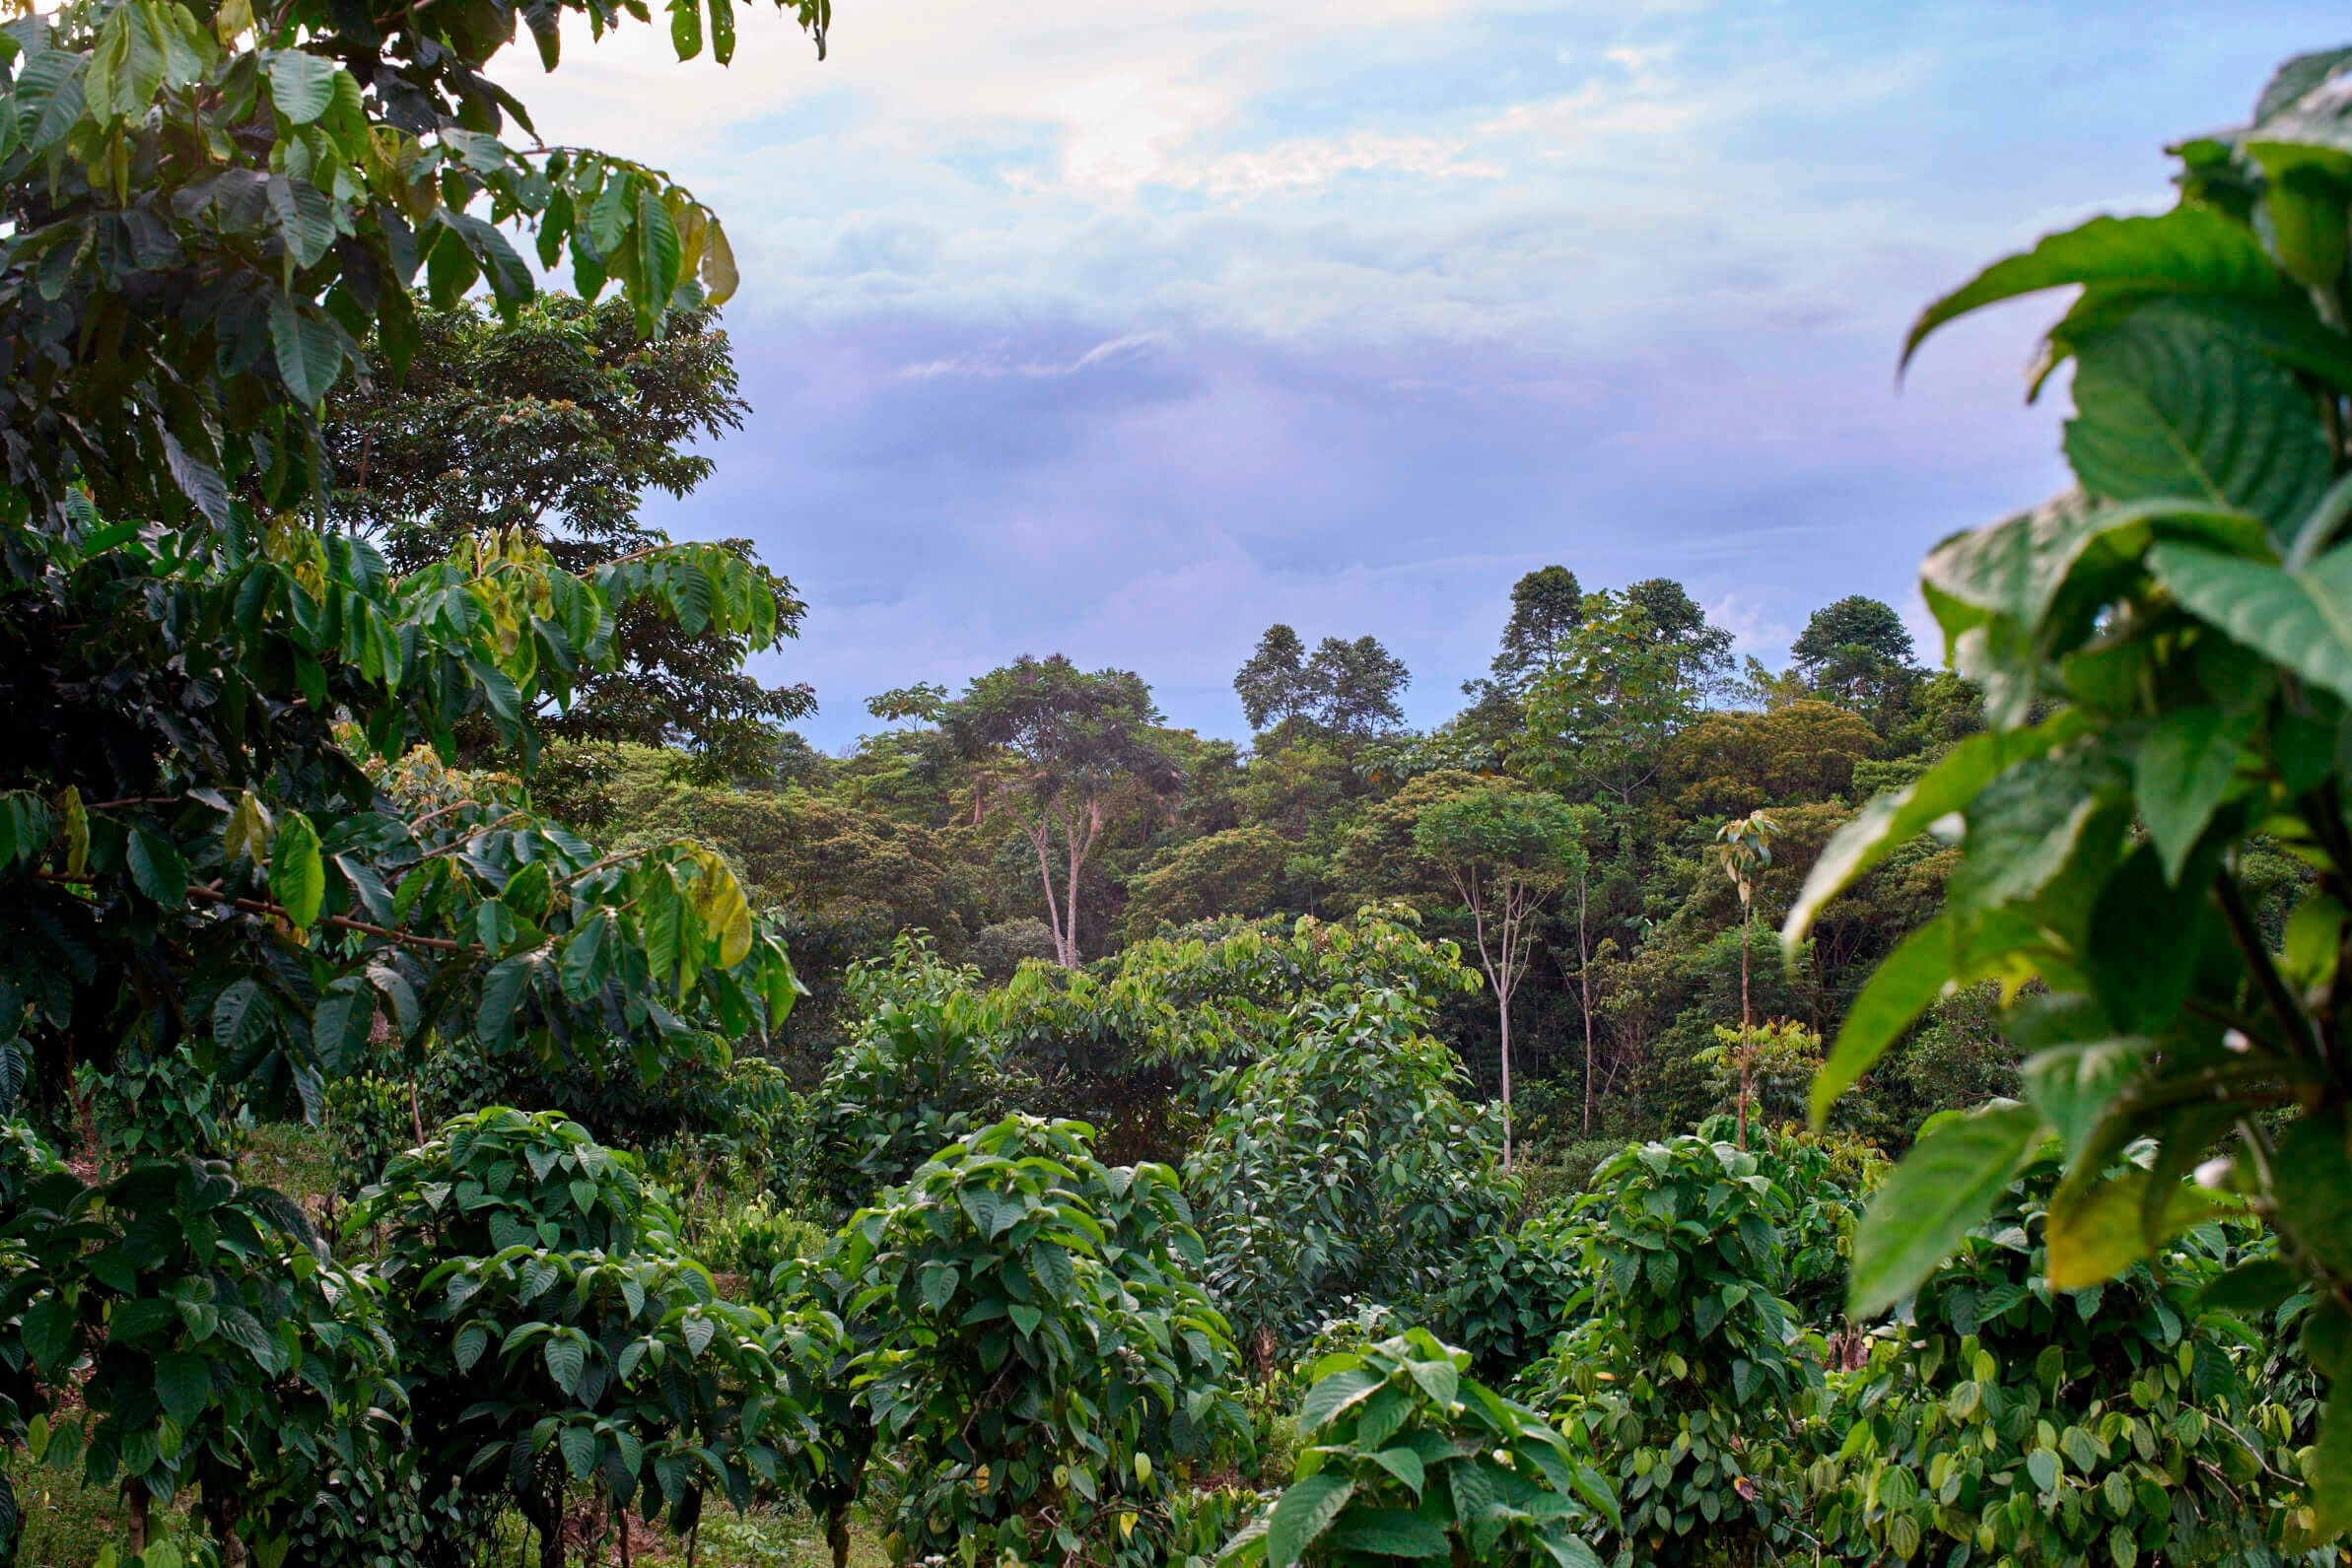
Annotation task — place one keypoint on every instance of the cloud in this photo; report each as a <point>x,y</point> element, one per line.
<point>1125,332</point>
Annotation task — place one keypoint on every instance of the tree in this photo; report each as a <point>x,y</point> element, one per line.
<point>1702,651</point>
<point>1855,622</point>
<point>1745,847</point>
<point>1504,851</point>
<point>1273,684</point>
<point>1604,714</point>
<point>1857,653</point>
<point>919,702</point>
<point>551,426</point>
<point>1354,686</point>
<point>1546,606</point>
<point>211,894</point>
<point>1071,744</point>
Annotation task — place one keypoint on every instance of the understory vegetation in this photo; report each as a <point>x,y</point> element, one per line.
<point>476,1090</point>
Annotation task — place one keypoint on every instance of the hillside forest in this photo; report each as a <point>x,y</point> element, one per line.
<point>477,1088</point>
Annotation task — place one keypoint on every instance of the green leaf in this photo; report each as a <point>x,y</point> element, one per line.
<point>565,1360</point>
<point>1331,1394</point>
<point>1947,953</point>
<point>503,990</point>
<point>510,277</point>
<point>685,28</point>
<point>1404,1464</point>
<point>658,254</point>
<point>2099,1230</point>
<point>183,1385</point>
<point>2300,619</point>
<point>1893,820</point>
<point>301,84</point>
<point>2073,1084</point>
<point>1942,1188</point>
<point>579,1444</point>
<point>157,868</point>
<point>1302,1514</point>
<point>468,1349</point>
<point>297,873</point>
<point>719,280</point>
<point>2171,403</point>
<point>1388,1533</point>
<point>2188,251</point>
<point>306,221</point>
<point>309,349</point>
<point>2180,772</point>
<point>722,31</point>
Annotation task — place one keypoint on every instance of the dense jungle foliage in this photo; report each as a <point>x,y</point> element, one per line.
<point>474,1087</point>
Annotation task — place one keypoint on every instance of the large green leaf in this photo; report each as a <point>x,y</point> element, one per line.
<point>309,349</point>
<point>158,870</point>
<point>1948,952</point>
<point>297,874</point>
<point>2171,403</point>
<point>2180,772</point>
<point>301,84</point>
<point>1893,820</point>
<point>2301,619</point>
<point>2016,567</point>
<point>2188,251</point>
<point>1304,1512</point>
<point>1944,1186</point>
<point>183,1385</point>
<point>2098,1230</point>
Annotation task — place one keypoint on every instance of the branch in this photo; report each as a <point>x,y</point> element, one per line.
<point>213,895</point>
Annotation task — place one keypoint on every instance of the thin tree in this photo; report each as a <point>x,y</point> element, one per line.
<point>1059,748</point>
<point>1504,852</point>
<point>1745,846</point>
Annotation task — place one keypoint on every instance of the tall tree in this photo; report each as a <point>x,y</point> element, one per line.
<point>1354,686</point>
<point>1676,620</point>
<point>1504,851</point>
<point>1545,605</point>
<point>1272,683</point>
<point>1858,653</point>
<point>1066,746</point>
<point>1603,716</point>
<point>1745,847</point>
<point>552,425</point>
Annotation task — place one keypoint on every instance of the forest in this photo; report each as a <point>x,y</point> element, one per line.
<point>477,1088</point>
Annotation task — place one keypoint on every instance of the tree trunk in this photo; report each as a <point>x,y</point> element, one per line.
<point>1584,983</point>
<point>1746,1051</point>
<point>134,1494</point>
<point>1505,999</point>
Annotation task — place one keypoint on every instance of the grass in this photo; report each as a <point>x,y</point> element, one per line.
<point>67,1525</point>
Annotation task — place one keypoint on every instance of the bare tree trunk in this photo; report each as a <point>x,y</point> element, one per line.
<point>1746,1051</point>
<point>1584,983</point>
<point>134,1493</point>
<point>1044,876</point>
<point>1503,997</point>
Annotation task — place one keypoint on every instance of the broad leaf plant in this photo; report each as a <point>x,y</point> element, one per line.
<point>2166,653</point>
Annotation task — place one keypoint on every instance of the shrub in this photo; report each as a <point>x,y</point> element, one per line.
<point>2005,1420</point>
<point>1039,1348</point>
<point>1408,1459</point>
<point>1345,1166</point>
<point>552,1333</point>
<point>1687,1374</point>
<point>921,1073</point>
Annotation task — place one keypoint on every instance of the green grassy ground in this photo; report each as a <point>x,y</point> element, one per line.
<point>70,1526</point>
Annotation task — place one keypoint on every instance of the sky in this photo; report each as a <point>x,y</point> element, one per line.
<point>1125,332</point>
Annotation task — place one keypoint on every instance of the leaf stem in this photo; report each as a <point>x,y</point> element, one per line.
<point>2297,1027</point>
